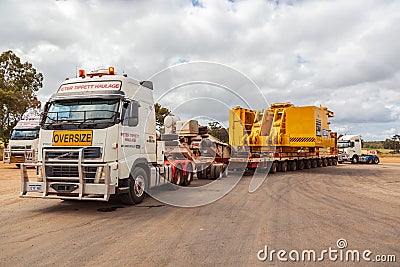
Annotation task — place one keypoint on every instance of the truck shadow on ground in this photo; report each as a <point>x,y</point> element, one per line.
<point>88,207</point>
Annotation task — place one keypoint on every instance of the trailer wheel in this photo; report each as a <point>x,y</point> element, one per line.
<point>204,174</point>
<point>212,172</point>
<point>137,184</point>
<point>324,162</point>
<point>330,162</point>
<point>283,166</point>
<point>293,165</point>
<point>199,173</point>
<point>354,160</point>
<point>376,160</point>
<point>300,164</point>
<point>314,163</point>
<point>369,160</point>
<point>217,172</point>
<point>307,164</point>
<point>178,175</point>
<point>319,162</point>
<point>224,171</point>
<point>334,162</point>
<point>188,178</point>
<point>274,167</point>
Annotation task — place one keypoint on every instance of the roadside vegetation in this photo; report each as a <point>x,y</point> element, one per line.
<point>18,84</point>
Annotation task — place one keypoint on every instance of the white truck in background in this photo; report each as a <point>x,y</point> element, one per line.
<point>350,150</point>
<point>98,138</point>
<point>23,144</point>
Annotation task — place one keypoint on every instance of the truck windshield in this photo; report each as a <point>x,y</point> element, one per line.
<point>343,144</point>
<point>24,134</point>
<point>85,113</point>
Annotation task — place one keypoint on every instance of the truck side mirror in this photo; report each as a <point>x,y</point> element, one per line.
<point>117,118</point>
<point>125,106</point>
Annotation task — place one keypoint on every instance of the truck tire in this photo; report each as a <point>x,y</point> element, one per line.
<point>199,173</point>
<point>188,177</point>
<point>300,164</point>
<point>274,167</point>
<point>376,160</point>
<point>354,160</point>
<point>334,161</point>
<point>225,171</point>
<point>324,162</point>
<point>137,184</point>
<point>283,166</point>
<point>307,164</point>
<point>218,171</point>
<point>204,173</point>
<point>293,165</point>
<point>330,163</point>
<point>212,172</point>
<point>369,160</point>
<point>314,163</point>
<point>178,175</point>
<point>320,162</point>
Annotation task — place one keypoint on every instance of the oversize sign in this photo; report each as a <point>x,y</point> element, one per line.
<point>90,86</point>
<point>72,138</point>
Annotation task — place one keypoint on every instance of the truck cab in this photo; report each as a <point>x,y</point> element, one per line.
<point>97,138</point>
<point>23,144</point>
<point>350,150</point>
<point>349,147</point>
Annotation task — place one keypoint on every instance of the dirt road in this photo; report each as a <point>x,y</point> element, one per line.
<point>307,210</point>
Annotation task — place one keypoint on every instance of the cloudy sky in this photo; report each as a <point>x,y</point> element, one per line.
<point>341,54</point>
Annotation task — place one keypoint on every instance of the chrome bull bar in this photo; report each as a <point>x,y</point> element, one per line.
<point>76,185</point>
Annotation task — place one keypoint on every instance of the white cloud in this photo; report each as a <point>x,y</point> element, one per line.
<point>342,54</point>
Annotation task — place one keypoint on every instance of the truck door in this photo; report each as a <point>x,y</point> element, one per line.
<point>130,144</point>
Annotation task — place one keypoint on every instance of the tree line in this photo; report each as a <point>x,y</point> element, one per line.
<point>390,143</point>
<point>393,143</point>
<point>18,83</point>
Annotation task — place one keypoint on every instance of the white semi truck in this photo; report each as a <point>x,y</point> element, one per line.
<point>350,150</point>
<point>23,144</point>
<point>98,138</point>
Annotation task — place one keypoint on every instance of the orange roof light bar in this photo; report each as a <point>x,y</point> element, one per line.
<point>82,73</point>
<point>111,70</point>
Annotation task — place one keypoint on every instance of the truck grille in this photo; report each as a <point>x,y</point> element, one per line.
<point>88,153</point>
<point>62,171</point>
<point>70,171</point>
<point>21,147</point>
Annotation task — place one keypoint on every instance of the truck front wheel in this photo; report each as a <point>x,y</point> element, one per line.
<point>354,160</point>
<point>137,184</point>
